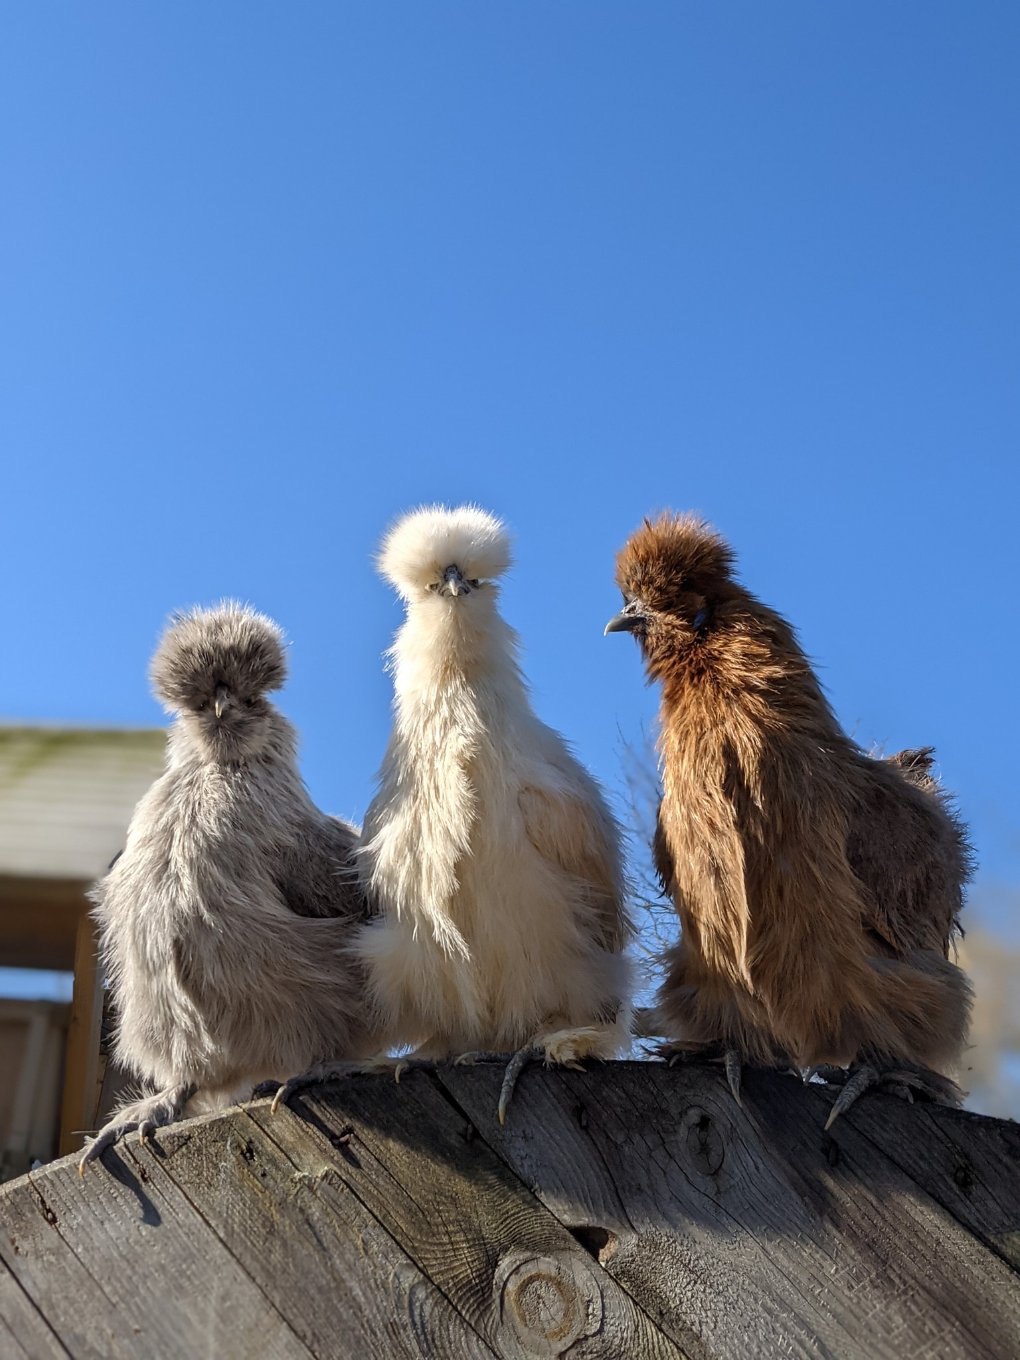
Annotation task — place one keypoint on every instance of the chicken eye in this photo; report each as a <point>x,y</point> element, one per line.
<point>473,582</point>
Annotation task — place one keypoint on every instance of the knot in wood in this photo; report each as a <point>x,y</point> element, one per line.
<point>705,1145</point>
<point>550,1302</point>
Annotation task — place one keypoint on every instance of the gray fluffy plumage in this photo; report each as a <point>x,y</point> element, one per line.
<point>225,924</point>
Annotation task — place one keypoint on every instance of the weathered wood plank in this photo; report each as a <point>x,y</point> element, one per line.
<point>969,1284</point>
<point>514,1273</point>
<point>628,1210</point>
<point>60,1286</point>
<point>726,1223</point>
<point>23,1330</point>
<point>334,1273</point>
<point>967,1163</point>
<point>147,1276</point>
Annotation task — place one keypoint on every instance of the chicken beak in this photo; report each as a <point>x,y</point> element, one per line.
<point>454,583</point>
<point>221,700</point>
<point>622,623</point>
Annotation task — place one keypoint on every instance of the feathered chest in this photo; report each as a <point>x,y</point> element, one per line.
<point>707,768</point>
<point>447,804</point>
<point>196,851</point>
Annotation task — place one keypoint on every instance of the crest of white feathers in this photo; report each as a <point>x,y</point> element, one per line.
<point>421,545</point>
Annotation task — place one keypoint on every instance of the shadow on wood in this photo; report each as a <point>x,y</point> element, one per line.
<point>628,1210</point>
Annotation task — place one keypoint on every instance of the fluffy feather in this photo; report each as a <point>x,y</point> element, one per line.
<point>488,850</point>
<point>423,543</point>
<point>226,923</point>
<point>229,644</point>
<point>818,888</point>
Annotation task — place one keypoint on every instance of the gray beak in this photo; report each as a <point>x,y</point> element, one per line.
<point>624,622</point>
<point>221,700</point>
<point>454,583</point>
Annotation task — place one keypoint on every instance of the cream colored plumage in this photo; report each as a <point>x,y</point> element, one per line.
<point>488,853</point>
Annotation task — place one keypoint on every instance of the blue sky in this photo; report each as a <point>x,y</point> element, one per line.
<point>272,274</point>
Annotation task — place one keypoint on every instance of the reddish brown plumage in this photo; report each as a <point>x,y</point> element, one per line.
<point>818,888</point>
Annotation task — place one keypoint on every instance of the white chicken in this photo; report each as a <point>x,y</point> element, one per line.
<point>489,856</point>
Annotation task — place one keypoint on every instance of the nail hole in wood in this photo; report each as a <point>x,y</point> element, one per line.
<point>598,1242</point>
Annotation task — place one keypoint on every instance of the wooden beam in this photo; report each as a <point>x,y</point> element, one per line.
<point>39,921</point>
<point>81,1062</point>
<point>625,1210</point>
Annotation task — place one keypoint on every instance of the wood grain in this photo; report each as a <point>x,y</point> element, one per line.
<point>737,1226</point>
<point>968,1164</point>
<point>23,1330</point>
<point>333,1272</point>
<point>507,1265</point>
<point>628,1210</point>
<point>128,1268</point>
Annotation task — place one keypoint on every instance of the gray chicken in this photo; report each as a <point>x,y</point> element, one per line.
<point>225,925</point>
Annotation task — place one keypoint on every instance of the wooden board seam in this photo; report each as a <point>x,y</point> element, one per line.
<point>131,1149</point>
<point>682,1343</point>
<point>608,1284</point>
<point>47,1213</point>
<point>884,1150</point>
<point>35,1307</point>
<point>266,1133</point>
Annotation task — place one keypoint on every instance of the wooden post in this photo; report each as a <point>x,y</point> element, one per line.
<point>81,1061</point>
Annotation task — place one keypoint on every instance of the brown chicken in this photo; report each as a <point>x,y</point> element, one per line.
<point>818,889</point>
